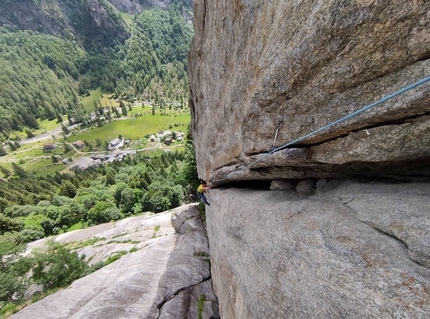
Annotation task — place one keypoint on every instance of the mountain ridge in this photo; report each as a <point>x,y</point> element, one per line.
<point>84,21</point>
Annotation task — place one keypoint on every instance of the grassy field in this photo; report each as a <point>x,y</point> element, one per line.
<point>134,128</point>
<point>42,166</point>
<point>96,96</point>
<point>45,126</point>
<point>88,101</point>
<point>138,124</point>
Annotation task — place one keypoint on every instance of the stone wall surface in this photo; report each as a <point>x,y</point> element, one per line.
<point>343,229</point>
<point>351,250</point>
<point>164,274</point>
<point>253,63</point>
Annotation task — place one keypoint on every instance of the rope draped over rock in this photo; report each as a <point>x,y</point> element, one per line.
<point>410,87</point>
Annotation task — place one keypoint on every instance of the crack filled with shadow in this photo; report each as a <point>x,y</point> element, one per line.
<point>385,233</point>
<point>401,242</point>
<point>175,293</point>
<point>379,230</point>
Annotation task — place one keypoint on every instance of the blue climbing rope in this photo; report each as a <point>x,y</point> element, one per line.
<point>410,87</point>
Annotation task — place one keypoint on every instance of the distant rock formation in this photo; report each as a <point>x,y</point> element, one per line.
<point>336,226</point>
<point>85,21</point>
<point>167,276</point>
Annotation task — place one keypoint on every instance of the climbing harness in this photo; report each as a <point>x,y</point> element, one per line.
<point>410,87</point>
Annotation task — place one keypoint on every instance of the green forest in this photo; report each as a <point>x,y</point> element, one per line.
<point>32,208</point>
<point>45,78</point>
<point>42,76</point>
<point>38,79</point>
<point>35,208</point>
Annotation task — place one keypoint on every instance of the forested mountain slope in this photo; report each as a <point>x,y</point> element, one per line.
<point>51,51</point>
<point>90,22</point>
<point>37,79</point>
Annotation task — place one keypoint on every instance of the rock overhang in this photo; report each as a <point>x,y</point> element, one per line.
<point>244,75</point>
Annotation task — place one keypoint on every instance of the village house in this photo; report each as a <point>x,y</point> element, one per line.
<point>79,144</point>
<point>115,142</point>
<point>49,146</point>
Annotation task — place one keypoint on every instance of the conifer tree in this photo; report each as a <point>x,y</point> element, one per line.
<point>5,171</point>
<point>65,129</point>
<point>19,171</point>
<point>12,146</point>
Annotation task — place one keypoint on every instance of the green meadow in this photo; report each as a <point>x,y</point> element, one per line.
<point>134,128</point>
<point>42,166</point>
<point>137,126</point>
<point>45,126</point>
<point>94,97</point>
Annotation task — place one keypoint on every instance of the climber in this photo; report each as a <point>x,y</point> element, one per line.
<point>200,191</point>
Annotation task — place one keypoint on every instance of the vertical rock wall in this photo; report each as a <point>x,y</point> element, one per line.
<point>310,63</point>
<point>352,249</point>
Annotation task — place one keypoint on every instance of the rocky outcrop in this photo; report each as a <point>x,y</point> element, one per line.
<point>334,225</point>
<point>310,63</point>
<point>165,273</point>
<point>128,6</point>
<point>351,250</point>
<point>86,21</point>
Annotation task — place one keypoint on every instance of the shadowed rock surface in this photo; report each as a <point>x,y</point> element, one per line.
<point>170,267</point>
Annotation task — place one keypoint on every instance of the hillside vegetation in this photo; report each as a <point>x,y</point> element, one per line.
<point>41,75</point>
<point>33,208</point>
<point>104,74</point>
<point>38,77</point>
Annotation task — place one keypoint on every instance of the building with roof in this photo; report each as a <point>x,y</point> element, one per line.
<point>79,144</point>
<point>49,146</point>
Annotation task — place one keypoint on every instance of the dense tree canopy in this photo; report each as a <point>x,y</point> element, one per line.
<point>154,56</point>
<point>39,207</point>
<point>37,78</point>
<point>41,75</point>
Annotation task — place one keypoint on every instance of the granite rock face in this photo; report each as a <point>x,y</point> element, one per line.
<point>351,250</point>
<point>342,227</point>
<point>167,265</point>
<point>310,63</point>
